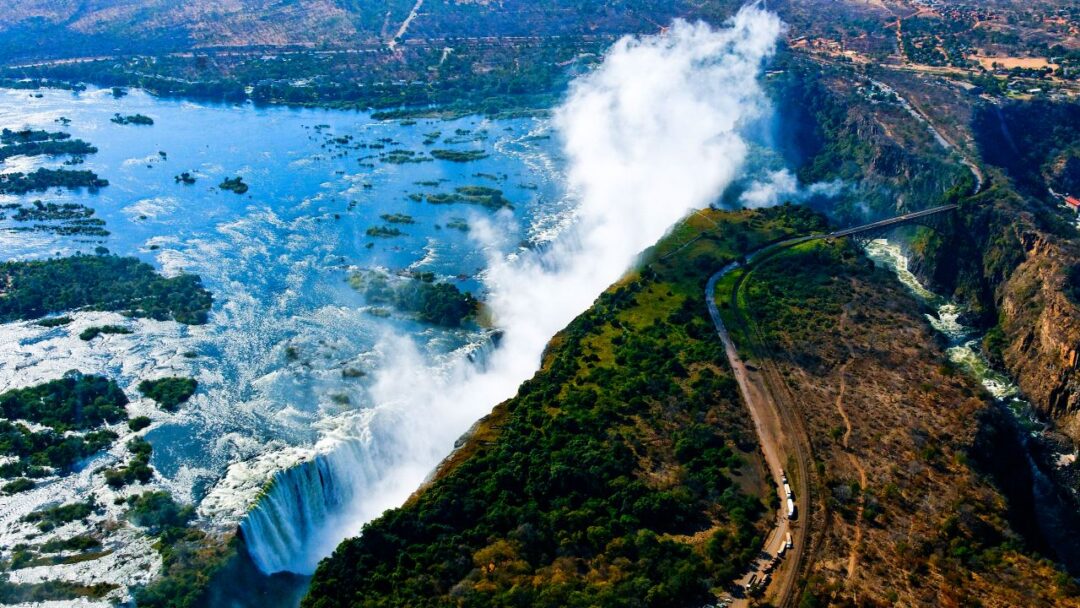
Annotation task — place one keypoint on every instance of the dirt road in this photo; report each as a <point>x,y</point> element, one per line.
<point>778,449</point>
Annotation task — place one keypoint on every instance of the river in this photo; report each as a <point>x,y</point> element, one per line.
<point>286,363</point>
<point>1025,463</point>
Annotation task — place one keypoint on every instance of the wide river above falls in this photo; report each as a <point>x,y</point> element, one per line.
<point>290,348</point>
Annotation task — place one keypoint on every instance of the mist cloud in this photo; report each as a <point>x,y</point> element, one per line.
<point>781,186</point>
<point>650,135</point>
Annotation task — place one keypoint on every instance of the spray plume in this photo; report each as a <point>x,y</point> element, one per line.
<point>650,135</point>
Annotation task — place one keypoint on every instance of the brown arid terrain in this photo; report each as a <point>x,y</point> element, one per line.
<point>1042,327</point>
<point>901,462</point>
<point>902,516</point>
<point>1008,255</point>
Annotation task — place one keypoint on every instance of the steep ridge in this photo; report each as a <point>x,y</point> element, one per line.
<point>626,473</point>
<point>1010,258</point>
<point>893,472</point>
<point>1009,252</point>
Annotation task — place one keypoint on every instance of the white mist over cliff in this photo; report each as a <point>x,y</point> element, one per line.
<point>652,134</point>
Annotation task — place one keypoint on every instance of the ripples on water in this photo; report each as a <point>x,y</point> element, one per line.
<point>275,258</point>
<point>964,341</point>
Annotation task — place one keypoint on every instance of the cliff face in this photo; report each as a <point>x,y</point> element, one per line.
<point>1041,327</point>
<point>902,437</point>
<point>1008,259</point>
<point>835,125</point>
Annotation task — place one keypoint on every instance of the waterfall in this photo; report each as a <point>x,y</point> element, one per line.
<point>287,529</point>
<point>650,135</point>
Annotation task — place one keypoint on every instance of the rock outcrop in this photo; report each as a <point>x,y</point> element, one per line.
<point>1041,326</point>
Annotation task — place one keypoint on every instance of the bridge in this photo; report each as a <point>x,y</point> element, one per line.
<point>926,217</point>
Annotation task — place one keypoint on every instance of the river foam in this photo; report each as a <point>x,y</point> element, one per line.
<point>650,135</point>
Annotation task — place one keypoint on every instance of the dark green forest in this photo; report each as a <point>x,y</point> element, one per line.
<point>100,282</point>
<point>555,500</point>
<point>169,392</point>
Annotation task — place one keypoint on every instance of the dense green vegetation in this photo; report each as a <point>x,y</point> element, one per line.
<point>50,147</point>
<point>43,179</point>
<point>490,198</point>
<point>138,470</point>
<point>190,557</point>
<point>233,184</point>
<point>26,136</point>
<point>40,212</point>
<point>459,156</point>
<point>158,512</point>
<point>133,119</point>
<point>431,302</point>
<point>74,402</point>
<point>51,517</point>
<point>397,218</point>
<point>58,218</point>
<point>40,83</point>
<point>526,75</point>
<point>383,232</point>
<point>169,392</point>
<point>795,297</point>
<point>94,331</point>
<point>100,282</point>
<point>41,453</point>
<point>609,480</point>
<point>21,484</point>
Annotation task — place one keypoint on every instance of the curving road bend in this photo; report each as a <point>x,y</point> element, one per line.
<point>779,426</point>
<point>777,448</point>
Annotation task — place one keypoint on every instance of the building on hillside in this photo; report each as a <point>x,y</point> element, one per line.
<point>1073,202</point>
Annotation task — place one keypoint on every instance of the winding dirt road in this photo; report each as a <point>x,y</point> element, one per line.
<point>780,446</point>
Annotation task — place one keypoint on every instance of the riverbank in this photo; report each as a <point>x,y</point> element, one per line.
<point>1026,445</point>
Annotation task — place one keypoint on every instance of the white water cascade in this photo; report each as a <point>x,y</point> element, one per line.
<point>652,134</point>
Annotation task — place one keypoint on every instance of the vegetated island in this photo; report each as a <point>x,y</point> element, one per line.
<point>41,143</point>
<point>185,178</point>
<point>169,392</point>
<point>489,198</point>
<point>43,179</point>
<point>59,218</point>
<point>419,295</point>
<point>233,184</point>
<point>383,232</point>
<point>459,156</point>
<point>74,147</point>
<point>25,136</point>
<point>400,156</point>
<point>34,289</point>
<point>397,218</point>
<point>458,223</point>
<point>73,408</point>
<point>132,119</point>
